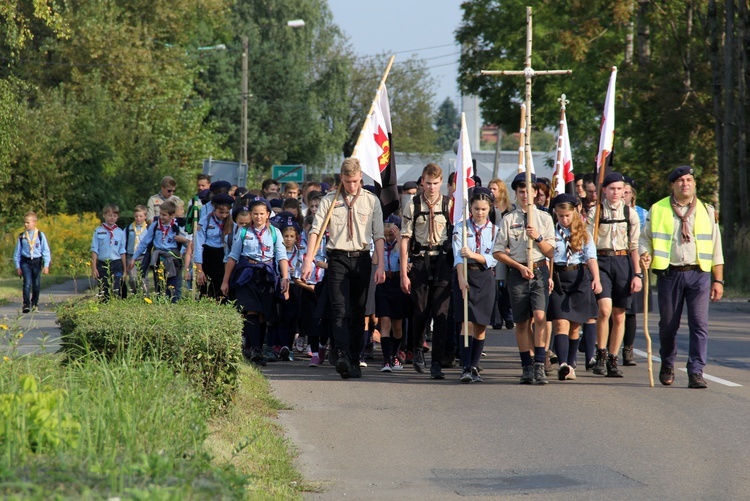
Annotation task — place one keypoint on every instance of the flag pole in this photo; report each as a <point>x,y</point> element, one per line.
<point>528,73</point>
<point>354,152</point>
<point>464,237</point>
<point>558,163</point>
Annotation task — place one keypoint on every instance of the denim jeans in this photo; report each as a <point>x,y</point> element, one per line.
<point>31,270</point>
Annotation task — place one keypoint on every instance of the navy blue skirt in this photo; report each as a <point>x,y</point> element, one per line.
<point>481,296</point>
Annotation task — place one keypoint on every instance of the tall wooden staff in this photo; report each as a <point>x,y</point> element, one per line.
<point>464,233</point>
<point>649,362</point>
<point>354,152</point>
<point>522,141</point>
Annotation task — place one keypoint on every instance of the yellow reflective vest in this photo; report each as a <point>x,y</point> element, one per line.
<point>662,229</point>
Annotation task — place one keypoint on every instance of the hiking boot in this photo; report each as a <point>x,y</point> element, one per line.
<point>475,377</point>
<point>419,364</point>
<point>540,375</point>
<point>527,377</point>
<point>563,371</point>
<point>355,372</point>
<point>590,363</point>
<point>552,357</point>
<point>627,356</point>
<point>343,367</point>
<point>666,375</point>
<point>600,368</point>
<point>696,380</point>
<point>466,376</point>
<point>612,369</point>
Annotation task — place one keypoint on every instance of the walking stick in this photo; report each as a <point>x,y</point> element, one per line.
<point>645,324</point>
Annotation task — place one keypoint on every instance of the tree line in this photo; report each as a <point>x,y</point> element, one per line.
<point>681,85</point>
<point>100,100</point>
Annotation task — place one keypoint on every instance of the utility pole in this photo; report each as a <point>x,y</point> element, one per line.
<point>245,96</point>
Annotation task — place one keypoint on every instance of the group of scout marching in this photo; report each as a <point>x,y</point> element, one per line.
<point>309,278</point>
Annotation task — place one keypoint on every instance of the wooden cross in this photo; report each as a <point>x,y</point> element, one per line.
<point>529,74</point>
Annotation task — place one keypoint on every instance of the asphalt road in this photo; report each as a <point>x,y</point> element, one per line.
<point>402,435</point>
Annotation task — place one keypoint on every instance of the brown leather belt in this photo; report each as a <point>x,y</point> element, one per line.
<point>611,253</point>
<point>343,253</point>
<point>474,266</point>
<point>572,267</point>
<point>688,267</point>
<point>542,263</point>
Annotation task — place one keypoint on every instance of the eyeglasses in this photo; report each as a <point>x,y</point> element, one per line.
<point>171,191</point>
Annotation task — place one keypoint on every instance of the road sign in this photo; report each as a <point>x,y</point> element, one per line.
<point>222,170</point>
<point>287,173</point>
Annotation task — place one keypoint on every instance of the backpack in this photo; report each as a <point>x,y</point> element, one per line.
<point>243,233</point>
<point>626,215</point>
<point>42,239</point>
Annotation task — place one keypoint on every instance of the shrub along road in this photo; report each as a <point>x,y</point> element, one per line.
<point>400,434</point>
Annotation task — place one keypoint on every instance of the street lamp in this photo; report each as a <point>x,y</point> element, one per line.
<point>294,23</point>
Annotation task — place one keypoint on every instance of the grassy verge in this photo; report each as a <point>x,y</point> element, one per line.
<point>248,438</point>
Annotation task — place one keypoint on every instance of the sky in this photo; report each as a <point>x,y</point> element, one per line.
<point>421,28</point>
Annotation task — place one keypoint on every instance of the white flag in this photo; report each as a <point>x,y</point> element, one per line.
<point>564,171</point>
<point>464,167</point>
<point>607,137</point>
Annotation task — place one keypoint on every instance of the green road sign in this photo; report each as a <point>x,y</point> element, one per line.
<point>287,173</point>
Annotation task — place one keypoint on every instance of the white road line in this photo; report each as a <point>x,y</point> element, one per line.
<point>706,376</point>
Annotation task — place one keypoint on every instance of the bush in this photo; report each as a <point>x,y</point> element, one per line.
<point>200,339</point>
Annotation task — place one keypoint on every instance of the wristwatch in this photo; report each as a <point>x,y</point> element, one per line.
<point>639,275</point>
<point>539,239</point>
<point>717,281</point>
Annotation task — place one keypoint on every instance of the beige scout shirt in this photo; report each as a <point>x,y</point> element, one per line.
<point>420,229</point>
<point>684,254</point>
<point>615,236</point>
<point>367,221</point>
<point>512,239</point>
<point>152,206</point>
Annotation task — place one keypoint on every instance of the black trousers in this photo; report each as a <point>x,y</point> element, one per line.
<point>348,281</point>
<point>213,268</point>
<point>430,293</point>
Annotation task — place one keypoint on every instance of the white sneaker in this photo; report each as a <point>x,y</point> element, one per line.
<point>386,367</point>
<point>571,375</point>
<point>563,371</point>
<point>362,362</point>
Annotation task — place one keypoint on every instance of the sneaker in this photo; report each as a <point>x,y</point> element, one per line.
<point>343,367</point>
<point>475,377</point>
<point>401,357</point>
<point>571,375</point>
<point>397,365</point>
<point>308,352</point>
<point>627,356</point>
<point>409,357</point>
<point>270,354</point>
<point>299,344</point>
<point>696,380</point>
<point>322,354</point>
<point>314,361</point>
<point>612,369</point>
<point>387,367</point>
<point>34,307</point>
<point>285,354</point>
<point>419,364</point>
<point>563,371</point>
<point>552,357</point>
<point>425,347</point>
<point>540,376</point>
<point>600,368</point>
<point>527,377</point>
<point>26,309</point>
<point>666,375</point>
<point>362,362</point>
<point>436,372</point>
<point>466,376</point>
<point>548,370</point>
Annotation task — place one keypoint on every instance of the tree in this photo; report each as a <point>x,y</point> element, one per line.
<point>447,124</point>
<point>410,94</point>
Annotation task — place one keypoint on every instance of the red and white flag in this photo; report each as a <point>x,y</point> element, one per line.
<point>607,137</point>
<point>564,177</point>
<point>374,147</point>
<point>464,180</point>
<point>375,153</point>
